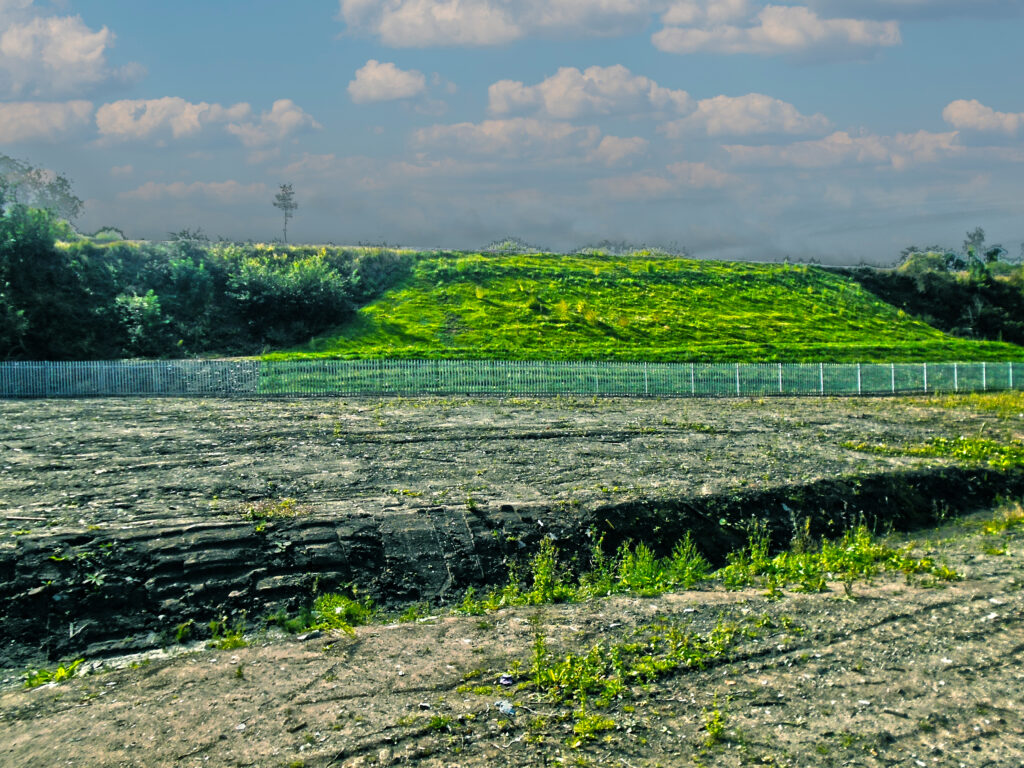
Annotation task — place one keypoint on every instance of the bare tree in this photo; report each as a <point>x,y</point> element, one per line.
<point>285,200</point>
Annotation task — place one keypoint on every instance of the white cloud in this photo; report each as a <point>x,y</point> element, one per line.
<point>746,115</point>
<point>516,137</point>
<point>570,93</point>
<point>614,149</point>
<point>420,23</point>
<point>975,116</point>
<point>779,29</point>
<point>679,179</point>
<point>45,121</point>
<point>376,81</point>
<point>159,118</point>
<point>705,12</point>
<point>50,55</point>
<point>122,171</point>
<point>899,151</point>
<point>230,192</point>
<point>284,119</point>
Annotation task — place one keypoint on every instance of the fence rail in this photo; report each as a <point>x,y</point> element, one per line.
<point>256,378</point>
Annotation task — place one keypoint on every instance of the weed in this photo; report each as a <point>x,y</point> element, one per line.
<point>36,677</point>
<point>714,724</point>
<point>183,632</point>
<point>227,637</point>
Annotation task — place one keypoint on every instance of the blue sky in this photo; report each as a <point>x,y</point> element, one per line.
<point>838,130</point>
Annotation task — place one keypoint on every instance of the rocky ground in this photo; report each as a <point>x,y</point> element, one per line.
<point>122,520</point>
<point>896,675</point>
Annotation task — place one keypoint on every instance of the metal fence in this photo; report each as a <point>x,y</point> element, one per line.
<point>251,378</point>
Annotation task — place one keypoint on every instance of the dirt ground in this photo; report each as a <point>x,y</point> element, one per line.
<point>133,462</point>
<point>121,519</point>
<point>896,676</point>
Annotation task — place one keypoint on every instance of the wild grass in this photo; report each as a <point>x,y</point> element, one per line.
<point>857,556</point>
<point>600,307</point>
<point>969,449</point>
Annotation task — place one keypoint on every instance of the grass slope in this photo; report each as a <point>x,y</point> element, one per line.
<point>592,307</point>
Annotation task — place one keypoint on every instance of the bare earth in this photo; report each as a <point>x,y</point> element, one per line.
<point>898,676</point>
<point>140,522</point>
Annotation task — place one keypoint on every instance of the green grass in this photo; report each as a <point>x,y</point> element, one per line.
<point>639,307</point>
<point>969,449</point>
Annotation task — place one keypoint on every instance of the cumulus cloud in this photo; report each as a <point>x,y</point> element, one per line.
<point>52,55</point>
<point>777,29</point>
<point>161,118</point>
<point>975,116</point>
<point>420,23</point>
<point>172,117</point>
<point>899,151</point>
<point>376,81</point>
<point>570,93</point>
<point>614,149</point>
<point>746,115</point>
<point>230,192</point>
<point>42,121</point>
<point>516,137</point>
<point>284,120</point>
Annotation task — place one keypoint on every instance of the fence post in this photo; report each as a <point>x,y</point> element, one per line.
<point>737,379</point>
<point>925,365</point>
<point>780,378</point>
<point>1010,368</point>
<point>821,378</point>
<point>892,373</point>
<point>984,377</point>
<point>858,380</point>
<point>956,379</point>
<point>647,390</point>
<point>693,381</point>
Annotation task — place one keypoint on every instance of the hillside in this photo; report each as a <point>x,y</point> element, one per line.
<point>639,307</point>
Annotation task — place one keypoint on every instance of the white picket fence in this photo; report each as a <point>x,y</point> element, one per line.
<point>257,378</point>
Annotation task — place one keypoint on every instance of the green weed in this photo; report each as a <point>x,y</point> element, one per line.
<point>36,677</point>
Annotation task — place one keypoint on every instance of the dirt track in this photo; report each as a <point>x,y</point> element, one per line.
<point>153,512</point>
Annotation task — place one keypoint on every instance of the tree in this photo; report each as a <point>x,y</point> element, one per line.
<point>37,187</point>
<point>285,200</point>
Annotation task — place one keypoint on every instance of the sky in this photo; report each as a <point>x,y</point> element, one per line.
<point>831,130</point>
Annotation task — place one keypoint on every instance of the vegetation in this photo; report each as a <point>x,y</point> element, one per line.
<point>64,296</point>
<point>638,307</point>
<point>973,449</point>
<point>36,677</point>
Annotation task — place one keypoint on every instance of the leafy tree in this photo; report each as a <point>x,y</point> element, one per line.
<point>37,187</point>
<point>285,200</point>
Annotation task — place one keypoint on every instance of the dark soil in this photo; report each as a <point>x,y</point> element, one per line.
<point>120,519</point>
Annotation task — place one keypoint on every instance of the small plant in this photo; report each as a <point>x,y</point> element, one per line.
<point>336,611</point>
<point>714,725</point>
<point>227,637</point>
<point>36,677</point>
<point>183,632</point>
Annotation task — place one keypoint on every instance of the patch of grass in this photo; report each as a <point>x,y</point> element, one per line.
<point>36,677</point>
<point>596,680</point>
<point>644,306</point>
<point>968,449</point>
<point>634,569</point>
<point>227,637</point>
<point>857,556</point>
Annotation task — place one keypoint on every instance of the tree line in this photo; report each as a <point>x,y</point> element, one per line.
<point>67,297</point>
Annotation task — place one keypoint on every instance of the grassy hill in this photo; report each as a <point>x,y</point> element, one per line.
<point>638,307</point>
